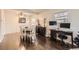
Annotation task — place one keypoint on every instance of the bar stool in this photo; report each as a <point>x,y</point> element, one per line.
<point>62,36</point>
<point>28,37</point>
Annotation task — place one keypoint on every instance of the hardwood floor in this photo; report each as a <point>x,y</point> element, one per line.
<point>43,44</point>
<point>12,42</point>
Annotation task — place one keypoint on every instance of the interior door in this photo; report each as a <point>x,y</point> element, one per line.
<point>0,22</point>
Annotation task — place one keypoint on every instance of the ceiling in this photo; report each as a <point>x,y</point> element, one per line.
<point>37,11</point>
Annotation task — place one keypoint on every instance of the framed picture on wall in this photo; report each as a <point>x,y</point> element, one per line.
<point>22,20</point>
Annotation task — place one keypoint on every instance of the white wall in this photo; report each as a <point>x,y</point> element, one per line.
<point>11,21</point>
<point>74,14</point>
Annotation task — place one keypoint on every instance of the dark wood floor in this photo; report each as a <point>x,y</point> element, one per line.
<point>46,44</point>
<point>12,42</point>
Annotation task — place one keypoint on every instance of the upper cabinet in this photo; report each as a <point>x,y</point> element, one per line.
<point>62,16</point>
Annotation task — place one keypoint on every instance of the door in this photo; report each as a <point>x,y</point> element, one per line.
<point>0,23</point>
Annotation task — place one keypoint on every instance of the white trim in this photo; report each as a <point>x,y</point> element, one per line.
<point>2,25</point>
<point>1,37</point>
